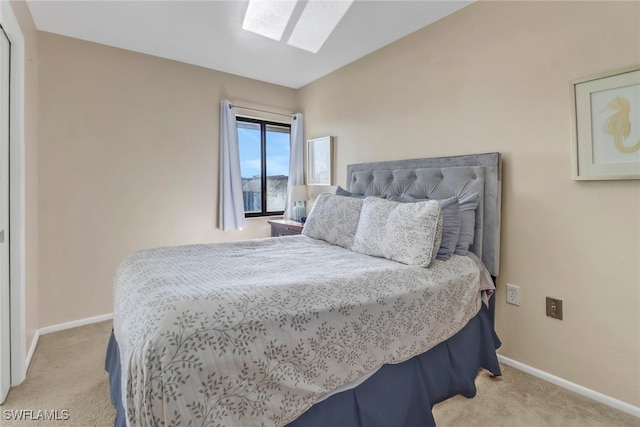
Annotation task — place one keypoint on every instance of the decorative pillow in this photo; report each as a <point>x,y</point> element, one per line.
<point>450,224</point>
<point>342,192</point>
<point>403,232</point>
<point>334,219</point>
<point>468,206</point>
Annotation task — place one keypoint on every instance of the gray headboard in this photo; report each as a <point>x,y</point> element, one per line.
<point>439,178</point>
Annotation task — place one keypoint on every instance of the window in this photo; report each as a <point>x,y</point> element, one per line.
<point>264,165</point>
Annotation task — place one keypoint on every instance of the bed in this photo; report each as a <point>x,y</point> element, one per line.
<point>328,328</point>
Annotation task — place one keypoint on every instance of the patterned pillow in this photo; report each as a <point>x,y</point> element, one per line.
<point>403,232</point>
<point>450,224</point>
<point>334,219</point>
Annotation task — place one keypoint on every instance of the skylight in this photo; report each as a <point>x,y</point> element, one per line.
<point>316,23</point>
<point>268,18</point>
<point>318,20</point>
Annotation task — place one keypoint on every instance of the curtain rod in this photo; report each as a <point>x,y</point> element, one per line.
<point>262,111</point>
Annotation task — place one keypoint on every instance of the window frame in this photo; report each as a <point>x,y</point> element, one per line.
<point>263,162</point>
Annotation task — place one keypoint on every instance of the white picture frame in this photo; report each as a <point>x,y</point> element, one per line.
<point>606,125</point>
<point>319,165</point>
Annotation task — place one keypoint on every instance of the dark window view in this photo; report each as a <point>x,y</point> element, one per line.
<point>264,165</point>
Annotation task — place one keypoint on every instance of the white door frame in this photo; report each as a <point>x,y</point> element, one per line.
<point>5,319</point>
<point>16,193</point>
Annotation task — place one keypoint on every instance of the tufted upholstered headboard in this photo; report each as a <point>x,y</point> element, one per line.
<point>440,178</point>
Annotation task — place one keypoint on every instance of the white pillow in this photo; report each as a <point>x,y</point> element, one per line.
<point>403,232</point>
<point>334,219</point>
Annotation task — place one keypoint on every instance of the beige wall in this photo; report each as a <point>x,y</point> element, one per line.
<point>495,77</point>
<point>30,114</point>
<point>128,160</point>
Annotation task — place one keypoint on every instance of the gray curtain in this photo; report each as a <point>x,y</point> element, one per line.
<point>231,216</point>
<point>296,160</point>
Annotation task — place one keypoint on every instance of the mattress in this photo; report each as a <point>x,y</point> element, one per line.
<point>257,332</point>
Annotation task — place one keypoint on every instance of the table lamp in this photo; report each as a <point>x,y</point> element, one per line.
<point>299,196</point>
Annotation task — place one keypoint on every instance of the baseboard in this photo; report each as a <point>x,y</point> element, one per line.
<point>75,324</point>
<point>591,394</point>
<point>32,349</point>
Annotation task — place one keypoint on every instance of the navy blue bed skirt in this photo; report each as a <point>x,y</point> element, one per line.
<point>399,395</point>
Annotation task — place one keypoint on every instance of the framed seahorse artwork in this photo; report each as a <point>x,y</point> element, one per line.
<point>606,125</point>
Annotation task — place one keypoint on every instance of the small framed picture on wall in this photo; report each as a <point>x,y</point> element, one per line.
<point>319,154</point>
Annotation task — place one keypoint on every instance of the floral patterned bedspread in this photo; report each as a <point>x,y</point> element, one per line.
<point>253,333</point>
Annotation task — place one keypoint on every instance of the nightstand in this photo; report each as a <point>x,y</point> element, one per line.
<point>285,227</point>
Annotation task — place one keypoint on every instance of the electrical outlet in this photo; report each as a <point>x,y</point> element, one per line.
<point>513,294</point>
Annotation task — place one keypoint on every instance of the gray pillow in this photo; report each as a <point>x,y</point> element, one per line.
<point>450,224</point>
<point>468,206</point>
<point>342,192</point>
<point>450,227</point>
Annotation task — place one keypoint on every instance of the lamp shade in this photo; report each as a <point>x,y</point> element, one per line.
<point>299,193</point>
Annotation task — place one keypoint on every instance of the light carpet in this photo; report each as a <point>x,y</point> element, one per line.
<point>67,374</point>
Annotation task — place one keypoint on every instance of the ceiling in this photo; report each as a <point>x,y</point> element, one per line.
<point>209,33</point>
